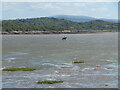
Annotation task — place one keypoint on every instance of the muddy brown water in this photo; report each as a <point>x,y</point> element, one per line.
<point>53,57</point>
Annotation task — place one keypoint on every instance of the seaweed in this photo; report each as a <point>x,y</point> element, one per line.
<point>48,82</point>
<point>78,61</point>
<point>18,69</point>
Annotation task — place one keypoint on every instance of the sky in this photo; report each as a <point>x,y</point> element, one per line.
<point>60,0</point>
<point>99,9</point>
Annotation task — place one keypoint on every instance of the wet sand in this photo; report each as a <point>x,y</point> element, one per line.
<point>52,57</point>
<point>73,76</point>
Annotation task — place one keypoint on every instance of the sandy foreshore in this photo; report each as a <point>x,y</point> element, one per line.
<point>54,32</point>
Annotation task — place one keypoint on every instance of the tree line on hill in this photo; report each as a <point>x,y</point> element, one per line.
<point>47,24</point>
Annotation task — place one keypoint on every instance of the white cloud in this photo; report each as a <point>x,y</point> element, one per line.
<point>101,9</point>
<point>57,5</point>
<point>45,6</point>
<point>37,9</point>
<point>79,5</point>
<point>97,17</point>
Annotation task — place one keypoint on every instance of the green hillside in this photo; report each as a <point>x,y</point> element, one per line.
<point>54,24</point>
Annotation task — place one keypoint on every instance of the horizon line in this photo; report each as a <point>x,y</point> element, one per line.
<point>59,15</point>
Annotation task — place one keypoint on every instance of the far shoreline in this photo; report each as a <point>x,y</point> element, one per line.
<point>55,33</point>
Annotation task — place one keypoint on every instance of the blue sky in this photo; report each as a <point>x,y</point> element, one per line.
<point>60,0</point>
<point>15,10</point>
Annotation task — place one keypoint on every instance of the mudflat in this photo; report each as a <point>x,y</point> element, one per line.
<point>53,59</point>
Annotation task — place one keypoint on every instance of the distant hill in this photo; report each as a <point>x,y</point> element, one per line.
<point>82,18</point>
<point>55,24</point>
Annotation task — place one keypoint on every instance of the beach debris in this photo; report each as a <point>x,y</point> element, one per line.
<point>97,65</point>
<point>109,68</point>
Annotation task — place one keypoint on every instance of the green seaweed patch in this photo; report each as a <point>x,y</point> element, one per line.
<point>48,82</point>
<point>78,62</point>
<point>19,69</point>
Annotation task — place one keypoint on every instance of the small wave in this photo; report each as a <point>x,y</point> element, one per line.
<point>111,74</point>
<point>19,53</point>
<point>2,68</point>
<point>76,68</point>
<point>69,64</point>
<point>50,64</point>
<point>111,60</point>
<point>112,65</point>
<point>110,69</point>
<point>22,67</point>
<point>63,66</point>
<point>63,75</point>
<point>88,68</point>
<point>9,58</point>
<point>41,56</point>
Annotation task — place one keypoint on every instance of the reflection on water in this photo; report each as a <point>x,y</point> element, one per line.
<point>48,53</point>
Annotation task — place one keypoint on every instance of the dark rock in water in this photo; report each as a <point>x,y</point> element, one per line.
<point>106,85</point>
<point>64,38</point>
